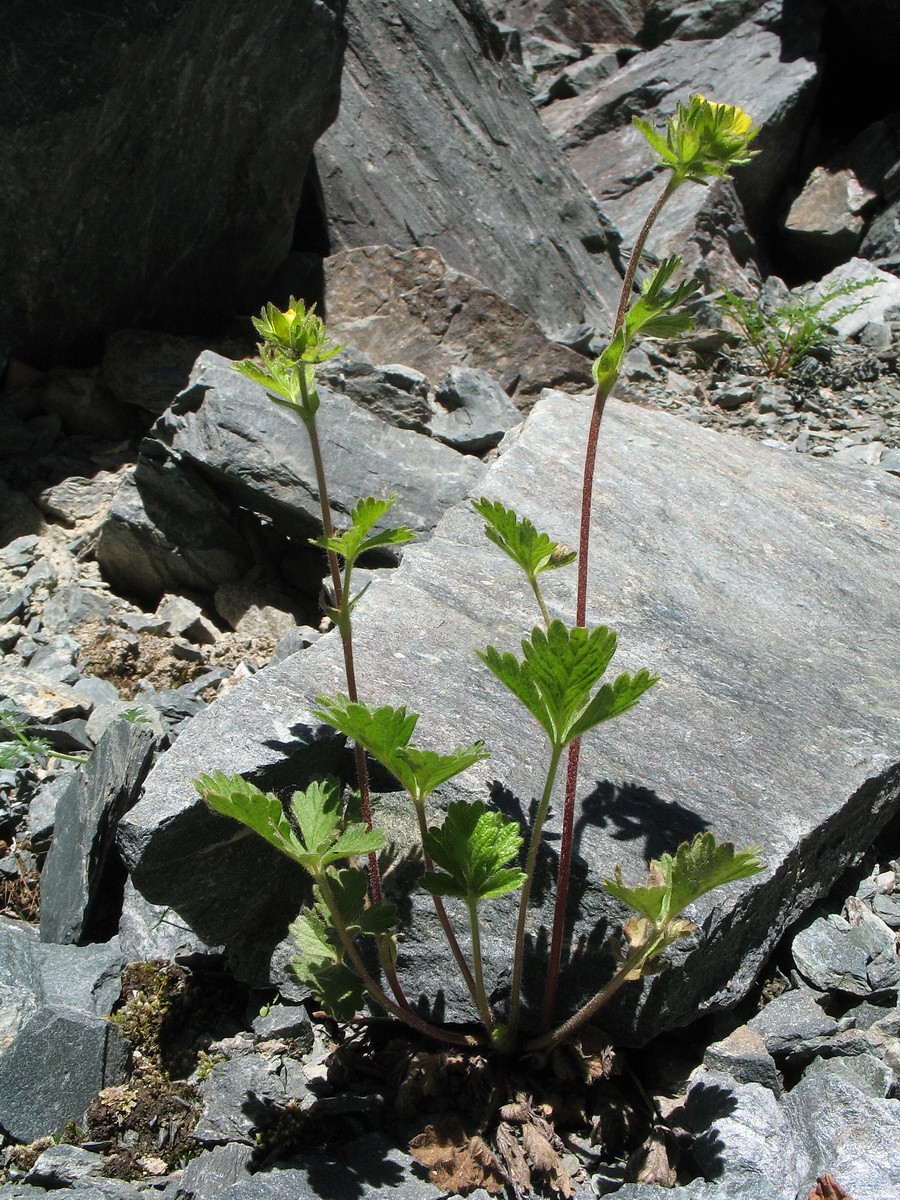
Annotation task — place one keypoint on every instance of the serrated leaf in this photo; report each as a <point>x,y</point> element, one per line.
<point>355,839</point>
<point>612,700</point>
<point>353,542</point>
<point>534,552</point>
<point>565,664</point>
<point>378,919</point>
<point>317,811</point>
<point>348,889</point>
<point>260,811</point>
<point>381,731</point>
<point>429,770</point>
<point>473,846</point>
<point>516,676</point>
<point>680,879</point>
<point>313,938</point>
<point>339,990</point>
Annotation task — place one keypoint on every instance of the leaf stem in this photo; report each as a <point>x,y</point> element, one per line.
<point>587,494</point>
<point>441,910</point>
<point>634,960</point>
<point>481,996</point>
<point>533,847</point>
<point>540,599</point>
<point>378,995</point>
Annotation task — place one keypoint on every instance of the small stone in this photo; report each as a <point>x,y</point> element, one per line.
<point>743,1056</point>
<point>830,957</point>
<point>793,1024</point>
<point>734,393</point>
<point>888,908</point>
<point>876,336</point>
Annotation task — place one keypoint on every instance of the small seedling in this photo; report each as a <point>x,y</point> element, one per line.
<point>782,335</point>
<point>26,750</point>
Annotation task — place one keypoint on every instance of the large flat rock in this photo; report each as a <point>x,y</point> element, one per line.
<point>760,586</point>
<point>437,144</point>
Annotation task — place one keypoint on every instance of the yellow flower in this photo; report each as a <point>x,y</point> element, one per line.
<point>740,122</point>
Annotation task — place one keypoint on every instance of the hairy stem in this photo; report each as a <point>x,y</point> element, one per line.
<point>404,1014</point>
<point>587,495</point>
<point>481,995</point>
<point>440,908</point>
<point>533,847</point>
<point>634,960</point>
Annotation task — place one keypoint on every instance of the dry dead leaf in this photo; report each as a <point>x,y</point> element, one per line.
<point>654,1161</point>
<point>545,1160</point>
<point>514,1159</point>
<point>828,1188</point>
<point>456,1162</point>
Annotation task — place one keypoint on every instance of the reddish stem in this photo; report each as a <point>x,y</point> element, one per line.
<point>587,493</point>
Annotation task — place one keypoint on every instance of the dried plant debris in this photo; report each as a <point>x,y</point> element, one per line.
<point>456,1161</point>
<point>20,885</point>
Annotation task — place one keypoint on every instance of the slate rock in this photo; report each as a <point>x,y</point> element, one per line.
<point>751,67</point>
<point>489,191</point>
<point>77,498</point>
<point>83,405</point>
<point>208,1175</point>
<point>864,1071</point>
<point>793,1024</point>
<point>833,955</point>
<point>238,1096</point>
<point>65,1166</point>
<point>816,544</point>
<point>435,317</point>
<point>701,1189</point>
<point>147,368</point>
<point>397,396</point>
<point>742,1132</point>
<point>881,243</point>
<point>852,1135</point>
<point>368,1166</point>
<point>873,302</point>
<point>743,1055</point>
<point>472,411</point>
<point>205,247</point>
<point>66,1053</point>
<point>256,454</point>
<point>72,903</point>
<point>41,699</point>
<point>688,20</point>
<point>148,931</point>
<point>285,1021</point>
<point>599,21</point>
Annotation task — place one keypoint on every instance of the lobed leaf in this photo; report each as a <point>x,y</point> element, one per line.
<point>260,811</point>
<point>675,881</point>
<point>612,700</point>
<point>429,769</point>
<point>534,552</point>
<point>381,731</point>
<point>473,848</point>
<point>353,542</point>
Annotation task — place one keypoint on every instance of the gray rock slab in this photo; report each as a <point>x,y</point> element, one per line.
<point>874,302</point>
<point>257,454</point>
<point>89,99</point>
<point>793,1025</point>
<point>757,586</point>
<point>742,1132</point>
<point>472,411</point>
<point>743,1056</point>
<point>238,1096</point>
<point>436,144</point>
<point>84,831</point>
<point>851,1135</point>
<point>66,1057</point>
<point>749,66</point>
<point>208,1175</point>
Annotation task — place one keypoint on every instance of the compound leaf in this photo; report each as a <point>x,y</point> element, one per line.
<point>473,848</point>
<point>675,881</point>
<point>353,541</point>
<point>260,811</point>
<point>339,990</point>
<point>516,676</point>
<point>612,700</point>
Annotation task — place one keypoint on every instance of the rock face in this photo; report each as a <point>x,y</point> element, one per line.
<point>412,306</point>
<point>775,723</point>
<point>199,124</point>
<point>751,66</point>
<point>436,145</point>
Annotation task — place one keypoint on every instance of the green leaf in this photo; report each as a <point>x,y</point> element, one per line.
<point>606,368</point>
<point>339,990</point>
<point>314,937</point>
<point>651,314</point>
<point>473,847</point>
<point>353,542</point>
<point>534,552</point>
<point>612,700</point>
<point>429,769</point>
<point>381,731</point>
<point>675,881</point>
<point>355,839</point>
<point>260,811</point>
<point>317,811</point>
<point>516,676</point>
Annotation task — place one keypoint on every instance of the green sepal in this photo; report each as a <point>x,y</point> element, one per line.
<point>607,367</point>
<point>473,846</point>
<point>353,542</point>
<point>675,881</point>
<point>534,552</point>
<point>555,679</point>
